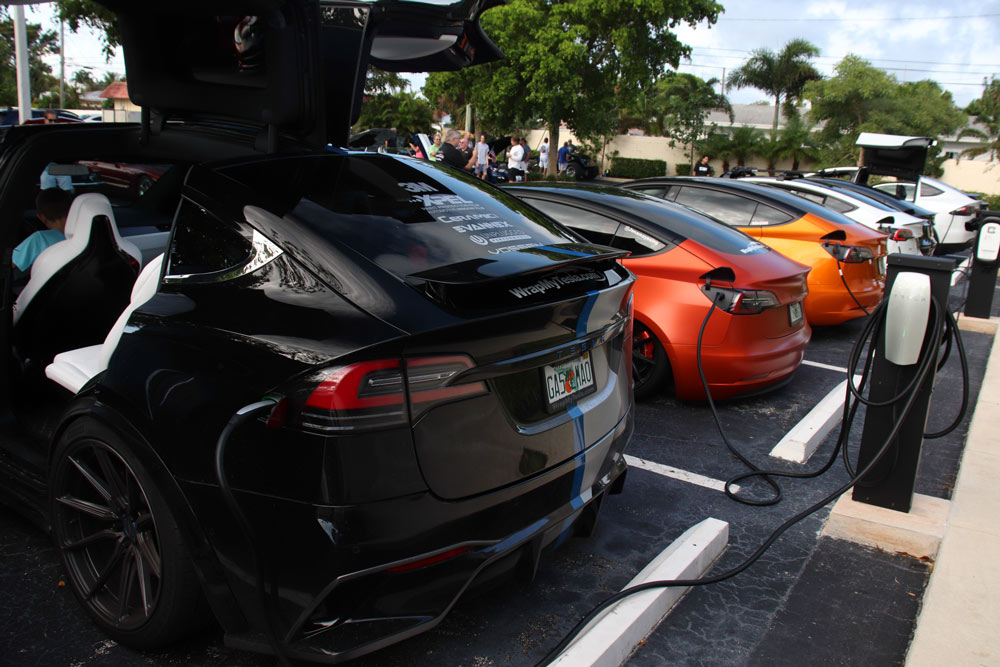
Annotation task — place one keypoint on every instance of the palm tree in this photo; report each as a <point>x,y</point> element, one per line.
<point>781,74</point>
<point>744,142</point>
<point>987,112</point>
<point>798,142</point>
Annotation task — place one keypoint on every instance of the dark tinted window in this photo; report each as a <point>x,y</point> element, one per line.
<point>637,241</point>
<point>202,243</point>
<point>768,215</point>
<point>651,190</point>
<point>406,215</point>
<point>928,190</point>
<point>594,227</point>
<point>730,209</point>
<point>839,205</point>
<point>677,223</point>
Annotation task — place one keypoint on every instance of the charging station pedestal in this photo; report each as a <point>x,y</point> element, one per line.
<point>983,272</point>
<point>890,483</point>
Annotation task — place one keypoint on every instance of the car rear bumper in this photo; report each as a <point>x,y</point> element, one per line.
<point>835,306</point>
<point>353,579</point>
<point>736,366</point>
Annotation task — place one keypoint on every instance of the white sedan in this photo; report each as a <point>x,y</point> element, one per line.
<point>952,208</point>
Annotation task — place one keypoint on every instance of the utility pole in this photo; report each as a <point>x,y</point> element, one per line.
<point>62,64</point>
<point>21,55</point>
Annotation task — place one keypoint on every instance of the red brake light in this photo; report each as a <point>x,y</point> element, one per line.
<point>969,209</point>
<point>741,302</point>
<point>371,394</point>
<point>430,560</point>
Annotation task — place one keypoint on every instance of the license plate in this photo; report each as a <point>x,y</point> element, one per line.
<point>795,312</point>
<point>568,380</point>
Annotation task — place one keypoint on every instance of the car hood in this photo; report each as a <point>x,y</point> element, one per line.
<point>290,67</point>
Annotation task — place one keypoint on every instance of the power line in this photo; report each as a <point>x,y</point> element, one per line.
<point>888,60</point>
<point>859,19</point>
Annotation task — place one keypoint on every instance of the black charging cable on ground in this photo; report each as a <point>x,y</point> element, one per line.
<point>924,366</point>
<point>268,607</point>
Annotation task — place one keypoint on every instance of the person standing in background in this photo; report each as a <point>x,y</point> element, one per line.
<point>543,155</point>
<point>703,168</point>
<point>482,156</point>
<point>563,157</point>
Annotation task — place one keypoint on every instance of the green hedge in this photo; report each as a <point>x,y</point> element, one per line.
<point>629,167</point>
<point>682,169</point>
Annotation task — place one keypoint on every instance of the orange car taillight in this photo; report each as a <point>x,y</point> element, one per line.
<point>849,254</point>
<point>372,395</point>
<point>741,302</point>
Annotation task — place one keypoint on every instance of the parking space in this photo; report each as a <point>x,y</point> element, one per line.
<point>835,602</point>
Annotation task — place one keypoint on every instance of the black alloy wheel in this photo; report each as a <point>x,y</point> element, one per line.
<point>122,551</point>
<point>649,361</point>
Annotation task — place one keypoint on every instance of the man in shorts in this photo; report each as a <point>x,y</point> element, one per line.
<point>543,155</point>
<point>482,156</point>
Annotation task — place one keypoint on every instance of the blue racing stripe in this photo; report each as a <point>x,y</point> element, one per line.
<point>565,251</point>
<point>588,307</point>
<point>576,488</point>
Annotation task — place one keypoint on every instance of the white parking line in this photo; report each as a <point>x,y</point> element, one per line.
<point>682,475</point>
<point>806,362</point>
<point>805,437</point>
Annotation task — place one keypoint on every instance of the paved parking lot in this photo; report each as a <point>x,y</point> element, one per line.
<point>808,600</point>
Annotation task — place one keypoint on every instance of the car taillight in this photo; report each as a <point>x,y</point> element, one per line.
<point>371,395</point>
<point>896,234</point>
<point>741,302</point>
<point>849,254</point>
<point>969,209</point>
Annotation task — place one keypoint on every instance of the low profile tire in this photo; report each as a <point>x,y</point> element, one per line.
<point>650,365</point>
<point>123,554</point>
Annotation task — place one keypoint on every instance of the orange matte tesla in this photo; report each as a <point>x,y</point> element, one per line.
<point>847,259</point>
<point>755,338</point>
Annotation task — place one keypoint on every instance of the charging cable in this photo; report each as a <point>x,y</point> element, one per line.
<point>243,415</point>
<point>924,367</point>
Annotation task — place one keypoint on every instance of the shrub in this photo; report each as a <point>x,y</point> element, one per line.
<point>992,201</point>
<point>682,168</point>
<point>534,176</point>
<point>627,167</point>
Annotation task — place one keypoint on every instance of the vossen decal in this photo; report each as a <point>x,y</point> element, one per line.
<point>479,226</point>
<point>556,282</point>
<point>753,247</point>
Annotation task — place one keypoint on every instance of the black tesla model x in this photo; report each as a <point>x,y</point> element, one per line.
<point>315,394</point>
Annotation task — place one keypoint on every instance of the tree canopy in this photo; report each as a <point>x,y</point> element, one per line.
<point>572,61</point>
<point>40,43</point>
<point>986,109</point>
<point>861,98</point>
<point>781,75</point>
<point>681,105</point>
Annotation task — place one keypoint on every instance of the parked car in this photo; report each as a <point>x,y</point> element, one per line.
<point>11,116</point>
<point>954,211</point>
<point>136,177</point>
<point>684,261</point>
<point>907,234</point>
<point>351,386</point>
<point>847,259</point>
<point>878,195</point>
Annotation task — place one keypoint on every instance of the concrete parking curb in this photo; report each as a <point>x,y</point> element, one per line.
<point>610,639</point>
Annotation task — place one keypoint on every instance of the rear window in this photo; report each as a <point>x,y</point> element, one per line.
<point>408,216</point>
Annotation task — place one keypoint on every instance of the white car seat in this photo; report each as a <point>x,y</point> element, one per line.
<point>77,286</point>
<point>74,368</point>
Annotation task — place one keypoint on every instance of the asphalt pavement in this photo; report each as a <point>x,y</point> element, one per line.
<point>809,599</point>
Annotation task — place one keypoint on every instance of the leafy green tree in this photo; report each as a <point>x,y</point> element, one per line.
<point>798,142</point>
<point>782,75</point>
<point>861,98</point>
<point>681,105</point>
<point>402,110</point>
<point>987,113</point>
<point>88,13</point>
<point>40,43</point>
<point>571,61</point>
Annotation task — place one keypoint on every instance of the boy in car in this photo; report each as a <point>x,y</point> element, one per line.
<point>52,208</point>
